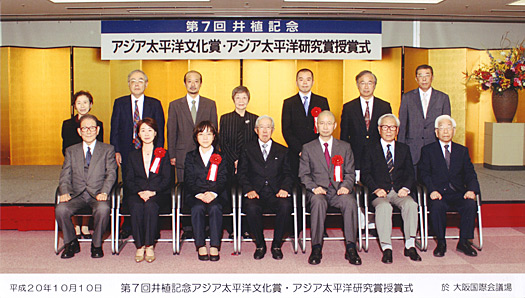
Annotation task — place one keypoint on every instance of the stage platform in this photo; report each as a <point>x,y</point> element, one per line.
<point>27,196</point>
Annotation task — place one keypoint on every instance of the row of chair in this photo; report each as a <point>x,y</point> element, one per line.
<point>176,211</point>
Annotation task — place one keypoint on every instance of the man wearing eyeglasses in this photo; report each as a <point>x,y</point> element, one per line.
<point>419,108</point>
<point>359,117</point>
<point>388,172</point>
<point>128,110</point>
<point>447,172</point>
<point>88,174</point>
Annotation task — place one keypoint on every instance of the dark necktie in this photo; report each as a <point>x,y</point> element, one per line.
<point>326,155</point>
<point>389,160</point>
<point>447,156</point>
<point>88,156</point>
<point>367,116</point>
<point>306,104</point>
<point>136,119</point>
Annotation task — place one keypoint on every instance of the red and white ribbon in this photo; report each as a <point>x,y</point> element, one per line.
<point>159,153</point>
<point>338,161</point>
<point>315,112</point>
<point>215,161</point>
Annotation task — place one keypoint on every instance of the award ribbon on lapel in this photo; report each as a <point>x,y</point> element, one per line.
<point>215,161</point>
<point>315,112</point>
<point>337,161</point>
<point>159,153</point>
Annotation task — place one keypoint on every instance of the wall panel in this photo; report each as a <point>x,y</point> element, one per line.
<point>5,133</point>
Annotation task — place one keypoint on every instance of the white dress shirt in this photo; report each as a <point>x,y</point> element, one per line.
<point>189,99</point>
<point>92,147</point>
<point>443,147</point>
<point>330,142</point>
<point>370,105</point>
<point>385,148</point>
<point>425,95</point>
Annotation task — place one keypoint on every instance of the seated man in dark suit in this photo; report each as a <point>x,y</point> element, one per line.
<point>388,172</point>
<point>265,176</point>
<point>447,172</point>
<point>327,171</point>
<point>87,176</point>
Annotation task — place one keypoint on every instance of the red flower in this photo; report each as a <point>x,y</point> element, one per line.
<point>215,159</point>
<point>337,160</point>
<point>159,152</point>
<point>316,111</point>
<point>485,75</point>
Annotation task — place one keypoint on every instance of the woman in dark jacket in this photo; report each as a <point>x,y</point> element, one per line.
<point>147,181</point>
<point>205,177</point>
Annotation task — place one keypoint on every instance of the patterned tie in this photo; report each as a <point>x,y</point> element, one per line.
<point>389,161</point>
<point>136,119</point>
<point>326,154</point>
<point>88,156</point>
<point>367,116</point>
<point>264,152</point>
<point>447,156</point>
<point>193,110</point>
<point>306,104</point>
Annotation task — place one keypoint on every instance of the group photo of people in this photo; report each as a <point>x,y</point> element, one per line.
<point>214,161</point>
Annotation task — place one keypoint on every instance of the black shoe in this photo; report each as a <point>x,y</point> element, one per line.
<point>440,250</point>
<point>205,257</point>
<point>466,248</point>
<point>277,253</point>
<point>124,234</point>
<point>70,249</point>
<point>96,252</point>
<point>315,256</point>
<point>187,235</point>
<point>246,235</point>
<point>412,253</point>
<point>352,256</point>
<point>86,236</point>
<point>387,256</point>
<point>259,253</point>
<point>215,258</point>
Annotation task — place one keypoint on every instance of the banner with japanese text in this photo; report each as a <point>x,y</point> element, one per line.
<point>241,39</point>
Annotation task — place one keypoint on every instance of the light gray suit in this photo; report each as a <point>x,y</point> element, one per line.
<point>417,131</point>
<point>180,128</point>
<point>314,172</point>
<point>84,183</point>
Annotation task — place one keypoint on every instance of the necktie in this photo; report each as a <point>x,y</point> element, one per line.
<point>367,116</point>
<point>193,110</point>
<point>447,156</point>
<point>264,152</point>
<point>88,156</point>
<point>136,119</point>
<point>306,104</point>
<point>326,154</point>
<point>425,104</point>
<point>389,160</point>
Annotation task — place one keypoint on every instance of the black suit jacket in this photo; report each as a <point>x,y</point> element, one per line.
<point>235,131</point>
<point>374,169</point>
<point>135,179</point>
<point>70,134</point>
<point>353,126</point>
<point>255,172</point>
<point>297,128</point>
<point>433,172</point>
<point>122,123</point>
<point>195,174</point>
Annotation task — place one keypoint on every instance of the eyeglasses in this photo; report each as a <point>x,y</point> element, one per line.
<point>388,127</point>
<point>448,128</point>
<point>90,128</point>
<point>369,84</point>
<point>424,76</point>
<point>140,82</point>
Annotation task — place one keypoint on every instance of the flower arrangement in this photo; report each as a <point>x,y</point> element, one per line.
<point>508,72</point>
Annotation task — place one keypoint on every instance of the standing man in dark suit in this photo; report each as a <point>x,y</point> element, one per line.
<point>388,172</point>
<point>327,171</point>
<point>88,174</point>
<point>447,172</point>
<point>297,120</point>
<point>265,176</point>
<point>359,117</point>
<point>128,110</point>
<point>419,108</point>
<point>183,115</point>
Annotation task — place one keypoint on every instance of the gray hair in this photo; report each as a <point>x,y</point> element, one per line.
<point>264,117</point>
<point>365,72</point>
<point>388,116</point>
<point>140,71</point>
<point>87,117</point>
<point>326,112</point>
<point>444,117</point>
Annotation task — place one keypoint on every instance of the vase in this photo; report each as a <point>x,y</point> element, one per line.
<point>504,105</point>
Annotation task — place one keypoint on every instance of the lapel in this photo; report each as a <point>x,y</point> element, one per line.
<point>97,154</point>
<point>141,163</point>
<point>358,114</point>
<point>375,112</point>
<point>128,111</point>
<point>146,109</point>
<point>186,110</point>
<point>201,109</point>
<point>431,101</point>
<point>441,158</point>
<point>272,152</point>
<point>319,151</point>
<point>298,102</point>
<point>418,103</point>
<point>257,152</point>
<point>454,156</point>
<point>80,157</point>
<point>398,156</point>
